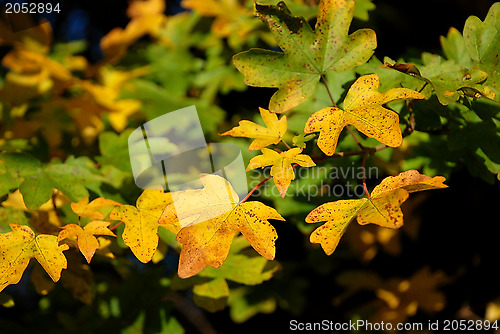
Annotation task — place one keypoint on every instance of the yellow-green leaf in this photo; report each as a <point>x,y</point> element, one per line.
<point>307,54</point>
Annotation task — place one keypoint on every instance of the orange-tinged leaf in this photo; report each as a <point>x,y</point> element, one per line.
<point>20,245</point>
<point>265,136</point>
<point>142,222</point>
<point>208,243</point>
<point>363,109</point>
<point>383,208</point>
<point>281,163</point>
<point>91,210</point>
<point>87,242</point>
<point>411,181</point>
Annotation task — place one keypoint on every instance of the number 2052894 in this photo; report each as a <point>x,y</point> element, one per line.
<point>32,8</point>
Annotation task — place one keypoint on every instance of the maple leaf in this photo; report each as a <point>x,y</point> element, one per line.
<point>307,54</point>
<point>382,209</point>
<point>265,136</point>
<point>87,242</point>
<point>142,222</point>
<point>91,210</point>
<point>198,205</point>
<point>20,245</point>
<point>210,218</point>
<point>281,170</point>
<point>363,109</point>
<point>482,41</point>
<point>208,243</point>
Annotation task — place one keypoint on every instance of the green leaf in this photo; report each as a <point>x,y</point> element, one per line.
<point>447,77</point>
<point>307,54</point>
<point>245,303</point>
<point>36,190</point>
<point>212,295</point>
<point>482,40</point>
<point>454,48</point>
<point>72,178</point>
<point>362,8</point>
<point>11,216</point>
<point>114,150</point>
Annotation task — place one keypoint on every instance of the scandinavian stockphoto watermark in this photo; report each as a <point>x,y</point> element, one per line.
<point>337,181</point>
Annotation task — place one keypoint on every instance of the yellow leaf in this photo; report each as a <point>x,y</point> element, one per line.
<point>115,44</point>
<point>20,245</point>
<point>281,170</point>
<point>208,242</point>
<point>271,134</point>
<point>383,209</point>
<point>198,205</point>
<point>363,109</point>
<point>87,242</point>
<point>142,8</point>
<point>91,210</point>
<point>231,17</point>
<point>142,222</point>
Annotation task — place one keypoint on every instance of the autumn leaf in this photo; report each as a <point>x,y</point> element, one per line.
<point>20,245</point>
<point>281,163</point>
<point>383,209</point>
<point>208,243</point>
<point>307,54</point>
<point>363,109</point>
<point>210,218</point>
<point>92,210</point>
<point>265,136</point>
<point>87,242</point>
<point>142,222</point>
<point>198,205</point>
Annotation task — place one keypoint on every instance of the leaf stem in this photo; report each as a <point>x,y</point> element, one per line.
<point>261,183</point>
<point>328,90</point>
<point>255,188</point>
<point>114,227</point>
<point>363,166</point>
<point>284,142</point>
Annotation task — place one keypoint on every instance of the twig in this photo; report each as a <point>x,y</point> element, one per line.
<point>192,314</point>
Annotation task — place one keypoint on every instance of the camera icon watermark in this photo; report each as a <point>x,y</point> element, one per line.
<point>171,152</point>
